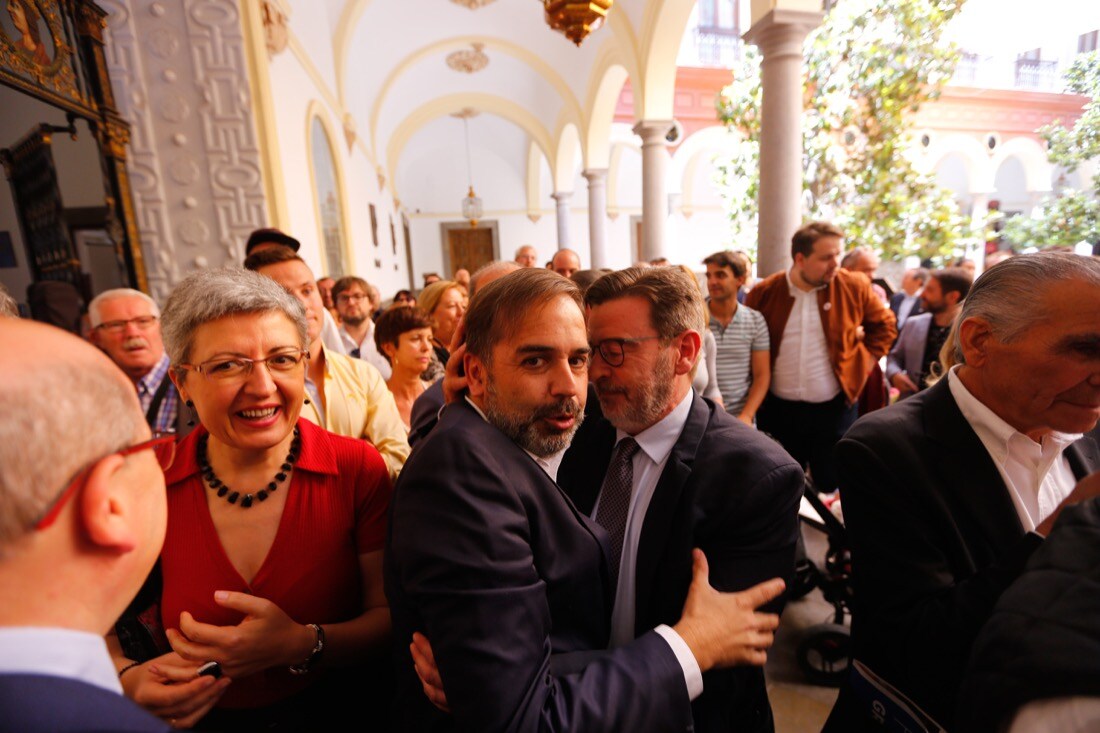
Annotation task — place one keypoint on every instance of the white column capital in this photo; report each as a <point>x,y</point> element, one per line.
<point>652,132</point>
<point>595,176</point>
<point>781,32</point>
<point>561,197</point>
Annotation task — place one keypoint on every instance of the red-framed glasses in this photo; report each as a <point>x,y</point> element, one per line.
<point>162,444</point>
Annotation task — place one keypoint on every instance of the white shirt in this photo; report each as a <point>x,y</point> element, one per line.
<point>52,652</point>
<point>803,369</point>
<point>1038,476</point>
<point>368,350</point>
<point>693,676</point>
<point>908,303</point>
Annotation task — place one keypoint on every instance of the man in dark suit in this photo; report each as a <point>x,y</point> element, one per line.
<point>488,558</point>
<point>82,523</point>
<point>948,493</point>
<point>701,478</point>
<point>907,303</point>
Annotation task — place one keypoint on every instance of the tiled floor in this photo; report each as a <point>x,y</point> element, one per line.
<point>798,706</point>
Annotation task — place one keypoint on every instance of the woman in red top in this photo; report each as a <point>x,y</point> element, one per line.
<point>272,562</point>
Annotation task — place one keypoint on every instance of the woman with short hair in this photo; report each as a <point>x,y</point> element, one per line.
<point>272,561</point>
<point>404,337</point>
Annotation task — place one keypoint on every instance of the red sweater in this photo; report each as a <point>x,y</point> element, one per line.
<point>335,511</point>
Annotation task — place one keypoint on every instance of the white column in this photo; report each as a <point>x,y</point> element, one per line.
<point>561,200</point>
<point>779,35</point>
<point>597,217</point>
<point>654,188</point>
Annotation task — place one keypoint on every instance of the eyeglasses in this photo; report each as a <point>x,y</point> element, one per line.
<point>613,351</point>
<point>142,322</point>
<point>239,368</point>
<point>162,444</point>
<point>350,297</point>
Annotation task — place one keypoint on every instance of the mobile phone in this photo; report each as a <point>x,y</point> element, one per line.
<point>211,669</point>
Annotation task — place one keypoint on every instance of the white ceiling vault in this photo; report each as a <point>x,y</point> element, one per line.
<point>542,100</point>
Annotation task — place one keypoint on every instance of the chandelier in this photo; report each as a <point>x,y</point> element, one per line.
<point>472,4</point>
<point>576,18</point>
<point>471,205</point>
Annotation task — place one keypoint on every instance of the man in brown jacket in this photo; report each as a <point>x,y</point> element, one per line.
<point>827,330</point>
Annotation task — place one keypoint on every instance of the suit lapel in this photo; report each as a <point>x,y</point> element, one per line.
<point>1084,455</point>
<point>661,516</point>
<point>967,471</point>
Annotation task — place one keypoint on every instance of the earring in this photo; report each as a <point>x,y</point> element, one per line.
<point>308,402</point>
<point>191,407</point>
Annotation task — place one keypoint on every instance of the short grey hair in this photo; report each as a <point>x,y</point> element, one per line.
<point>93,307</point>
<point>59,417</point>
<point>209,295</point>
<point>496,268</point>
<point>1008,296</point>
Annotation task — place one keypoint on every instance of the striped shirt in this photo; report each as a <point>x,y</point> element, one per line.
<point>165,419</point>
<point>747,332</point>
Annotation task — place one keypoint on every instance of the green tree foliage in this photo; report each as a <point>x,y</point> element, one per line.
<point>869,67</point>
<point>1071,216</point>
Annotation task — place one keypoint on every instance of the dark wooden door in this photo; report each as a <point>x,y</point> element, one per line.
<point>470,247</point>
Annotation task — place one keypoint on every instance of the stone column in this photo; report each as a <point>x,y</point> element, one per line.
<point>597,217</point>
<point>779,35</point>
<point>561,200</point>
<point>654,188</point>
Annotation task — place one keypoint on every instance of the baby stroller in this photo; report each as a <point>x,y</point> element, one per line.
<point>824,653</point>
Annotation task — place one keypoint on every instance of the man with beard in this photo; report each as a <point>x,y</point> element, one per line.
<point>126,326</point>
<point>827,331</point>
<point>352,297</point>
<point>698,477</point>
<point>489,559</point>
<point>912,357</point>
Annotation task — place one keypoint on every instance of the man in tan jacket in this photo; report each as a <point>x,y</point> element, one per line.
<point>827,330</point>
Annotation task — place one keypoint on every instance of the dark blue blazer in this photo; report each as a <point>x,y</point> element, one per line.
<point>935,541</point>
<point>488,557</point>
<point>727,489</point>
<point>43,704</point>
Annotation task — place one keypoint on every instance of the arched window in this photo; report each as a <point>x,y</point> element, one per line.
<point>327,198</point>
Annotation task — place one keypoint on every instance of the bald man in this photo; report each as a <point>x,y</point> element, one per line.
<point>82,520</point>
<point>565,262</point>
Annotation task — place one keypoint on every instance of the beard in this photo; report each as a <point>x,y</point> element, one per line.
<point>525,426</point>
<point>642,405</point>
<point>354,320</point>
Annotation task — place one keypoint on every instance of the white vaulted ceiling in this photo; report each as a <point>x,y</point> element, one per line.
<point>385,61</point>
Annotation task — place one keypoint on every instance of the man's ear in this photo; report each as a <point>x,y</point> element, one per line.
<point>477,376</point>
<point>975,337</point>
<point>691,343</point>
<point>106,507</point>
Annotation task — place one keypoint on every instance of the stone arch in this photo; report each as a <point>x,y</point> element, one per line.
<point>486,103</point>
<point>689,156</point>
<point>564,170</point>
<point>662,32</point>
<point>1037,169</point>
<point>602,99</point>
<point>975,157</point>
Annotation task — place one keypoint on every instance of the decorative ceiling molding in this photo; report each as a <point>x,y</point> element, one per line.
<point>469,60</point>
<point>466,113</point>
<point>472,4</point>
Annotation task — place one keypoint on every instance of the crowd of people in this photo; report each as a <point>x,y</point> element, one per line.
<point>213,519</point>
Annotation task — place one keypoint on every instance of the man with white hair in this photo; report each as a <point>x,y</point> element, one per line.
<point>126,326</point>
<point>526,256</point>
<point>948,493</point>
<point>82,520</point>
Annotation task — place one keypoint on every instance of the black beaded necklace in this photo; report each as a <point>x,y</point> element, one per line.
<point>216,484</point>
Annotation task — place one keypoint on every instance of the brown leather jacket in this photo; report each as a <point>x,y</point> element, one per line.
<point>847,303</point>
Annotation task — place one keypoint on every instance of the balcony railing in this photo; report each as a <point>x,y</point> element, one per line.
<point>1006,73</point>
<point>1037,74</point>
<point>716,48</point>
